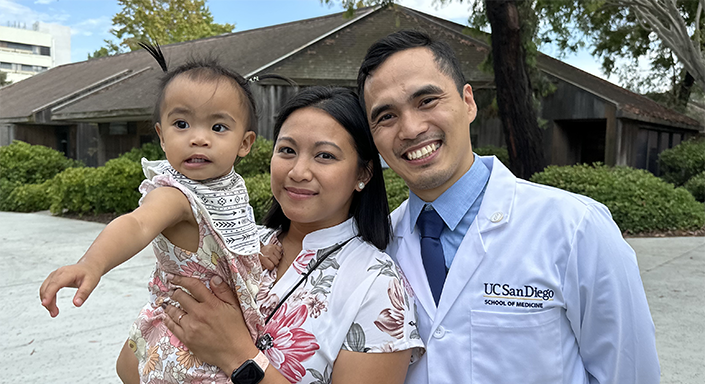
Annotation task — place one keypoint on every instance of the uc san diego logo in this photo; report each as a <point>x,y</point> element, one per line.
<point>527,296</point>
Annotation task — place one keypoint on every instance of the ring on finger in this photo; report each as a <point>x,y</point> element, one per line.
<point>178,321</point>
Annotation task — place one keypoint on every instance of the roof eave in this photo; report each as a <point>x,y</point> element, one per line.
<point>14,120</point>
<point>622,114</point>
<point>133,114</point>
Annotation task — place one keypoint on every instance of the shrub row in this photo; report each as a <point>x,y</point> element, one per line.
<point>638,200</point>
<point>684,161</point>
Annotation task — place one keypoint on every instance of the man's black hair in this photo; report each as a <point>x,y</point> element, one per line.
<point>402,40</point>
<point>369,207</point>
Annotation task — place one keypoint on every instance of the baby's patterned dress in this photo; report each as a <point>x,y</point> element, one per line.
<point>220,203</point>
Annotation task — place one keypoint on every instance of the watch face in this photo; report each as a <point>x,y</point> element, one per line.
<point>248,373</point>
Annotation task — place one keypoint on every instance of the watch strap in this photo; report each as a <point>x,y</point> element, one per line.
<point>262,361</point>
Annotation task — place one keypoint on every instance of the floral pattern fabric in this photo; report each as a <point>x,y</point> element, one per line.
<point>162,357</point>
<point>355,300</point>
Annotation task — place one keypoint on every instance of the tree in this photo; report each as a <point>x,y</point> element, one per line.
<point>3,79</point>
<point>163,21</point>
<point>668,21</point>
<point>613,31</point>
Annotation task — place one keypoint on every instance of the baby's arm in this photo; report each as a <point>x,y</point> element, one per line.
<point>270,256</point>
<point>117,243</point>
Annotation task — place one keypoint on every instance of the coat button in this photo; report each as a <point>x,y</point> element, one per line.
<point>496,217</point>
<point>439,332</point>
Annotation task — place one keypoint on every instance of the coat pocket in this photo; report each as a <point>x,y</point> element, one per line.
<point>516,347</point>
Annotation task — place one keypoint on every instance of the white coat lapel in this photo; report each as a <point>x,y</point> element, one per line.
<point>494,212</point>
<point>406,250</point>
<point>468,257</point>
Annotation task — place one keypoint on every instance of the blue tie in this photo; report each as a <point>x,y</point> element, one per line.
<point>431,225</point>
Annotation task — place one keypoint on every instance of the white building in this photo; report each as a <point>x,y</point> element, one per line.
<point>26,51</point>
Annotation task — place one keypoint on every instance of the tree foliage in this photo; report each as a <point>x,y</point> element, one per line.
<point>163,21</point>
<point>621,33</point>
<point>3,79</point>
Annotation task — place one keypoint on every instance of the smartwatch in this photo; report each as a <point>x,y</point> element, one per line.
<point>251,371</point>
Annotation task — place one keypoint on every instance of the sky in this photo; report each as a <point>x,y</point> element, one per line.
<point>90,20</point>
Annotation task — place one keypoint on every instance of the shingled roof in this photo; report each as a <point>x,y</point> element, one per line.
<point>125,85</point>
<point>323,50</point>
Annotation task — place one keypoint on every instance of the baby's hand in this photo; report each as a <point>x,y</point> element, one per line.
<point>79,275</point>
<point>270,256</point>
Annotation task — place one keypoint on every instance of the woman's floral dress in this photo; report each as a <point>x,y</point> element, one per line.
<point>162,357</point>
<point>356,300</point>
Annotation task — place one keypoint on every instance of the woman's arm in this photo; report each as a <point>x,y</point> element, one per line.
<point>359,367</point>
<point>117,243</point>
<point>213,328</point>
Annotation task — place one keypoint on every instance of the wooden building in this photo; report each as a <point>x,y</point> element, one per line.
<point>95,110</point>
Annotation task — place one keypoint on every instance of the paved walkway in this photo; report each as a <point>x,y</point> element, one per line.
<point>81,344</point>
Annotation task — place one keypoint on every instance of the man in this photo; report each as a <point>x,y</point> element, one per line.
<point>525,283</point>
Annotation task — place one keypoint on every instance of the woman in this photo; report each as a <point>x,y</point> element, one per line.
<point>337,308</point>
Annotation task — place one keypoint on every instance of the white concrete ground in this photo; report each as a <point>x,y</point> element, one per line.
<point>81,344</point>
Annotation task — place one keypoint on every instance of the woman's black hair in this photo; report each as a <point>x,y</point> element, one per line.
<point>369,207</point>
<point>207,70</point>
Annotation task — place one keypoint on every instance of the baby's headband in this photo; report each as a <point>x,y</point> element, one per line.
<point>156,52</point>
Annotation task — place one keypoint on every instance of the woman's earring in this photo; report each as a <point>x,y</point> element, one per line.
<point>361,185</point>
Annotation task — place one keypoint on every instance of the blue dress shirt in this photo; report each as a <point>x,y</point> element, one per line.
<point>457,206</point>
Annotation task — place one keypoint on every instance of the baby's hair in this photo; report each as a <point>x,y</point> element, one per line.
<point>207,70</point>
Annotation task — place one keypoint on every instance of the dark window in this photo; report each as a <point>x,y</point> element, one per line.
<point>23,47</point>
<point>6,66</point>
<point>27,68</point>
<point>45,51</point>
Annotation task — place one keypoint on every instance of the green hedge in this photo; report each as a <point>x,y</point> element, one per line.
<point>258,187</point>
<point>397,191</point>
<point>114,187</point>
<point>696,186</point>
<point>28,167</point>
<point>638,200</point>
<point>490,150</point>
<point>29,198</point>
<point>31,164</point>
<point>257,161</point>
<point>150,151</point>
<point>683,161</point>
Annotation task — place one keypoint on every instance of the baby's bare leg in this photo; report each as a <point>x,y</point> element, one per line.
<point>127,366</point>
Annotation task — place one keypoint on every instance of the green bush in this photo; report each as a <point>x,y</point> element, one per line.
<point>151,151</point>
<point>638,200</point>
<point>68,191</point>
<point>29,198</point>
<point>490,150</point>
<point>696,186</point>
<point>397,191</point>
<point>257,161</point>
<point>114,187</point>
<point>258,187</point>
<point>31,164</point>
<point>6,189</point>
<point>683,161</point>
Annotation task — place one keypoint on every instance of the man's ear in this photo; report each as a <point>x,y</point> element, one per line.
<point>246,144</point>
<point>158,128</point>
<point>365,175</point>
<point>469,100</point>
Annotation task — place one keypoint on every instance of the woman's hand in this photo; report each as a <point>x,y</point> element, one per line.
<point>212,328</point>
